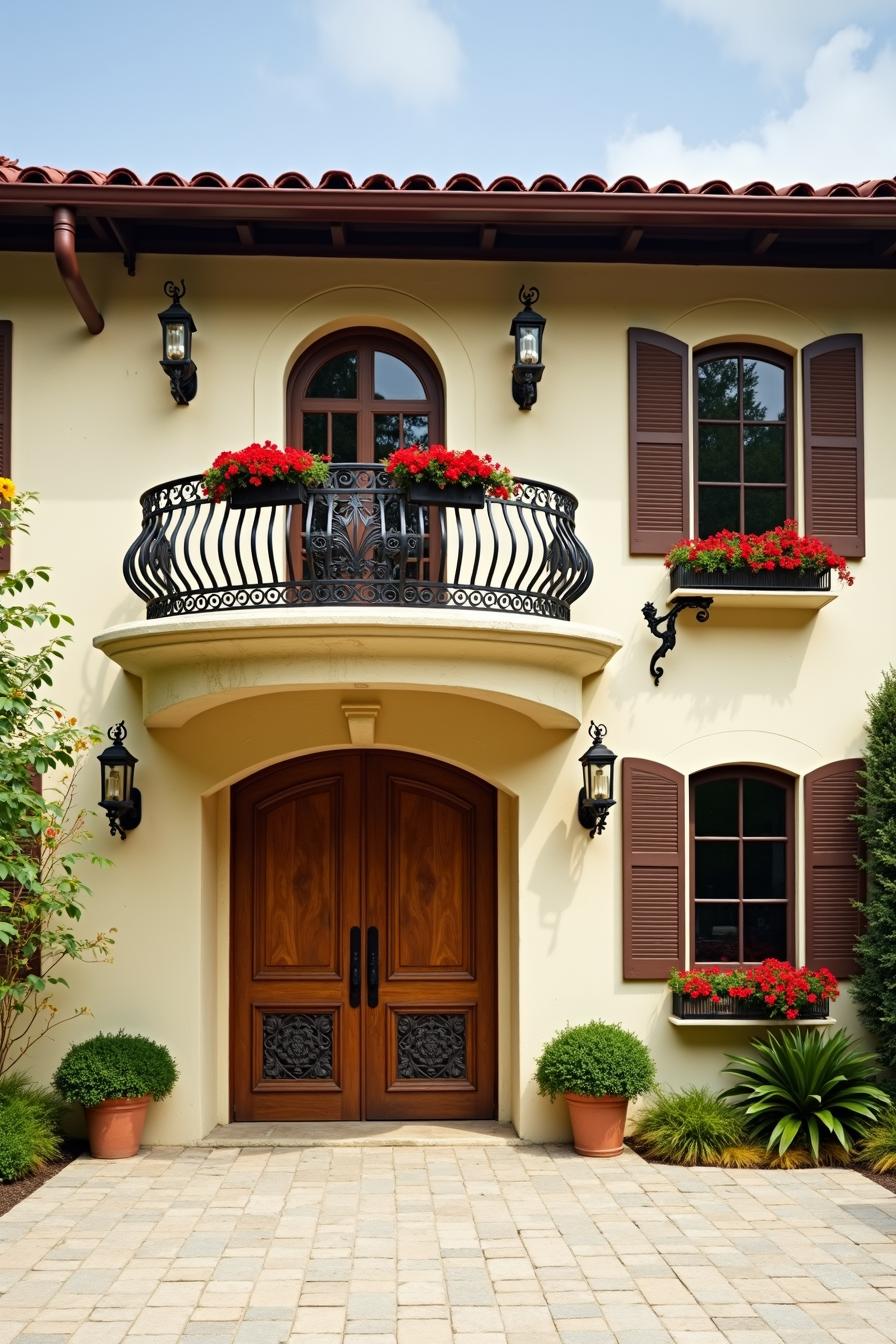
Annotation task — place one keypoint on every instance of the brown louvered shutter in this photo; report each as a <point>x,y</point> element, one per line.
<point>5,417</point>
<point>658,477</point>
<point>834,446</point>
<point>834,880</point>
<point>653,869</point>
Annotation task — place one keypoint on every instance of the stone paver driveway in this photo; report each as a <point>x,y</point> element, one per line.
<point>473,1245</point>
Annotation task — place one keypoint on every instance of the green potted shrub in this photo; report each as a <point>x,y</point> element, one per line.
<point>114,1077</point>
<point>599,1067</point>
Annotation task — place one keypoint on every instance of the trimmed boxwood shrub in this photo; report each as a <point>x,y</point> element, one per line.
<point>595,1060</point>
<point>29,1137</point>
<point>107,1067</point>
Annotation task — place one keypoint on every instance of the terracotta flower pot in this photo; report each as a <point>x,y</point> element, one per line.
<point>115,1128</point>
<point>598,1124</point>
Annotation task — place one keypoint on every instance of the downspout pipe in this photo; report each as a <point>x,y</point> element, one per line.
<point>67,262</point>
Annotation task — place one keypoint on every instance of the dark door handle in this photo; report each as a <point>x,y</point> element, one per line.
<point>373,967</point>
<point>354,967</point>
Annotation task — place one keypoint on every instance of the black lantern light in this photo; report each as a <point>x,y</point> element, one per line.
<point>177,339</point>
<point>527,330</point>
<point>596,795</point>
<point>118,796</point>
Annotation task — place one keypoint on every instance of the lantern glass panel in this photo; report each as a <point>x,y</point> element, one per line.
<point>114,784</point>
<point>175,341</point>
<point>529,345</point>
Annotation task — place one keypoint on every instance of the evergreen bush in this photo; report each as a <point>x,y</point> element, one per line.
<point>874,988</point>
<point>595,1060</point>
<point>108,1067</point>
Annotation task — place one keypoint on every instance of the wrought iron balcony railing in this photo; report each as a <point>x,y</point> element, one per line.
<point>358,540</point>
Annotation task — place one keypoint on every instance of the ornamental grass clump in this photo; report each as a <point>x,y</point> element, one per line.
<point>597,1059</point>
<point>804,1090</point>
<point>877,1150</point>
<point>694,1127</point>
<point>108,1067</point>
<point>29,1127</point>
<point>780,547</point>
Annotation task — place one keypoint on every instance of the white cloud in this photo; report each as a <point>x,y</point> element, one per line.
<point>399,47</point>
<point>777,35</point>
<point>844,130</point>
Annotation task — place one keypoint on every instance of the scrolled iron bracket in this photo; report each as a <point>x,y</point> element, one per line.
<point>663,627</point>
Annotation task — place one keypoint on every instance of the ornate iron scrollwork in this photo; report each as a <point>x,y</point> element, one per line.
<point>432,1045</point>
<point>357,540</point>
<point>297,1046</point>
<point>663,627</point>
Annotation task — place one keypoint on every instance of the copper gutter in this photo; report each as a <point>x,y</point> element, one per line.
<point>67,262</point>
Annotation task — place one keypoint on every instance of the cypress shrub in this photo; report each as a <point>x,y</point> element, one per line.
<point>874,988</point>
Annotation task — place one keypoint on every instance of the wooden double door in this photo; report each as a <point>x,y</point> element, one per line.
<point>363,965</point>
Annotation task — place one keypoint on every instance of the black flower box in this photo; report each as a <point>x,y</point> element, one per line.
<point>271,492</point>
<point>774,580</point>
<point>739,1009</point>
<point>453,496</point>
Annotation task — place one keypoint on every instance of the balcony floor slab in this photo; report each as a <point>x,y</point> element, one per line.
<point>188,665</point>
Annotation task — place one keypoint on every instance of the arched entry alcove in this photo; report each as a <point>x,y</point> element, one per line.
<point>363,940</point>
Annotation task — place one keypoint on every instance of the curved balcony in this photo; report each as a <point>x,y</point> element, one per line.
<point>359,589</point>
<point>357,541</point>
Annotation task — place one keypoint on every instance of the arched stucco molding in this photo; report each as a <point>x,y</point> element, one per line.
<point>753,320</point>
<point>364,306</point>
<point>774,751</point>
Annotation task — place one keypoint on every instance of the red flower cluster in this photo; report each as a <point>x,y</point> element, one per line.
<point>783,988</point>
<point>444,467</point>
<point>263,462</point>
<point>780,548</point>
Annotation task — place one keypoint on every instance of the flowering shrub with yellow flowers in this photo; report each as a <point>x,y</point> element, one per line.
<point>43,833</point>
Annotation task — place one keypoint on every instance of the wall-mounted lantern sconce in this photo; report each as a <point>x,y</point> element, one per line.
<point>527,330</point>
<point>598,770</point>
<point>118,796</point>
<point>177,339</point>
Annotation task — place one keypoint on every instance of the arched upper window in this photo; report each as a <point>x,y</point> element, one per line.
<point>744,438</point>
<point>360,394</point>
<point>742,865</point>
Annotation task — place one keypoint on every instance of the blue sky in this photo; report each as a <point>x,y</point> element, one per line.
<point>783,89</point>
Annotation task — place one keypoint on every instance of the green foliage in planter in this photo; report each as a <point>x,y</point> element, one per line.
<point>878,1148</point>
<point>595,1060</point>
<point>804,1088</point>
<point>108,1066</point>
<point>29,1137</point>
<point>689,1128</point>
<point>874,988</point>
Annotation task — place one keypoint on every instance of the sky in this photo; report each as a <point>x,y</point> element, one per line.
<point>784,90</point>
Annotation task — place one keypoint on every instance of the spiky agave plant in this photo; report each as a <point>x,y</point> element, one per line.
<point>801,1088</point>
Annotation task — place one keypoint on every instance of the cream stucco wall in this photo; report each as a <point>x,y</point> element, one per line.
<point>93,425</point>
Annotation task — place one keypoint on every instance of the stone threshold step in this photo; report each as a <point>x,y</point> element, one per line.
<point>364,1134</point>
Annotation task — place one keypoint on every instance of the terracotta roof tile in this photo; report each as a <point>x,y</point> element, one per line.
<point>339,180</point>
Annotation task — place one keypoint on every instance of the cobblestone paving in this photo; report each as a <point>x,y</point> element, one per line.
<point>472,1245</point>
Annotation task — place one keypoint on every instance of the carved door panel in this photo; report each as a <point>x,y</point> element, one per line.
<point>296,1032</point>
<point>430,1048</point>
<point>363,941</point>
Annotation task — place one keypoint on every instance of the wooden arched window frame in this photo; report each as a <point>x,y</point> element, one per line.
<point>742,844</point>
<point>363,414</point>
<point>743,447</point>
